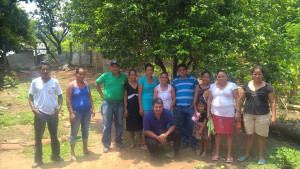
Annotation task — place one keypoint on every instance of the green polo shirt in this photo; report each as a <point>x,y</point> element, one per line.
<point>113,86</point>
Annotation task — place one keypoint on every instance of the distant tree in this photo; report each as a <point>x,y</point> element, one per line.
<point>15,27</point>
<point>52,24</point>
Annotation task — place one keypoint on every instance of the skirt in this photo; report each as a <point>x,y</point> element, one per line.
<point>223,125</point>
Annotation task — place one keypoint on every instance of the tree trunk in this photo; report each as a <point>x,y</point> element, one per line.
<point>160,63</point>
<point>175,64</point>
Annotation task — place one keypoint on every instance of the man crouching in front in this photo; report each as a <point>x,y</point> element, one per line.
<point>155,129</point>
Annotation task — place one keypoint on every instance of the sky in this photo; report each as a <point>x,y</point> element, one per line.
<point>29,7</point>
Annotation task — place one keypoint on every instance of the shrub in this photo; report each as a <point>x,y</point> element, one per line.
<point>287,158</point>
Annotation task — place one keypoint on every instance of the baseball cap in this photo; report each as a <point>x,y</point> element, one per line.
<point>114,62</point>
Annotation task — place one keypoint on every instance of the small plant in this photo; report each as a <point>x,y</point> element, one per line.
<point>11,80</point>
<point>287,158</point>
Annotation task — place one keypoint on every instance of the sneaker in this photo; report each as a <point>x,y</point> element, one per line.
<point>105,150</point>
<point>170,155</point>
<point>37,164</point>
<point>57,158</point>
<point>120,145</point>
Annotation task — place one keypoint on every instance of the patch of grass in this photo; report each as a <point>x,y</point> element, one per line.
<point>65,150</point>
<point>19,118</point>
<point>96,97</point>
<point>276,157</point>
<point>21,91</point>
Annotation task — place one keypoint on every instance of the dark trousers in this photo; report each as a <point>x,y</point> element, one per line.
<point>152,143</point>
<point>39,128</point>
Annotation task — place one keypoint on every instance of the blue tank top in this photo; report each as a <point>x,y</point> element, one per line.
<point>80,99</point>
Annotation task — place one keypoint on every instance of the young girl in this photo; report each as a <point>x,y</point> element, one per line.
<point>200,129</point>
<point>134,121</point>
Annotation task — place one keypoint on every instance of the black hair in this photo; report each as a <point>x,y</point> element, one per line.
<point>260,68</point>
<point>131,70</point>
<point>157,101</point>
<point>164,73</point>
<point>148,65</point>
<point>44,62</point>
<point>204,72</point>
<point>202,101</point>
<point>181,65</point>
<point>219,71</point>
<point>78,68</point>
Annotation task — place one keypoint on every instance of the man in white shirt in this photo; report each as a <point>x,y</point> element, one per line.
<point>45,108</point>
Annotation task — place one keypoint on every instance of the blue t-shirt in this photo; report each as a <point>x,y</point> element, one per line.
<point>147,95</point>
<point>158,127</point>
<point>184,90</point>
<point>80,99</point>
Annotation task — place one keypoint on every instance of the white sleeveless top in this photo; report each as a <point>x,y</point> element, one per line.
<point>166,96</point>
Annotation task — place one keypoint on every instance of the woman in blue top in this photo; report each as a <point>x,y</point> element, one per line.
<point>146,87</point>
<point>80,105</point>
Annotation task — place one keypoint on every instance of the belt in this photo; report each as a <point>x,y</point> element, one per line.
<point>119,101</point>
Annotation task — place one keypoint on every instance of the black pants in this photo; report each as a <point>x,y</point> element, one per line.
<point>152,143</point>
<point>39,128</point>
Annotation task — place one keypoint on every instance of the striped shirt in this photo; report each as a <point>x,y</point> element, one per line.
<point>184,90</point>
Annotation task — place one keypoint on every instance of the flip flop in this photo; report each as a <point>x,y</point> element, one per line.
<point>241,159</point>
<point>215,158</point>
<point>229,160</point>
<point>262,162</point>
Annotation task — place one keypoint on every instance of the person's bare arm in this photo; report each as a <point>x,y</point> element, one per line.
<point>209,100</point>
<point>140,90</point>
<point>31,104</point>
<point>155,93</point>
<point>173,98</point>
<point>56,110</point>
<point>272,102</point>
<point>91,101</point>
<point>151,134</point>
<point>237,104</point>
<point>69,92</point>
<point>125,103</point>
<point>242,98</point>
<point>195,98</point>
<point>98,88</point>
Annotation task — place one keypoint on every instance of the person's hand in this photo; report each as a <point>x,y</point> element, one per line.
<point>72,117</point>
<point>162,138</point>
<point>55,115</point>
<point>142,112</point>
<point>93,113</point>
<point>237,116</point>
<point>37,113</point>
<point>208,115</point>
<point>126,113</point>
<point>273,120</point>
<point>170,108</point>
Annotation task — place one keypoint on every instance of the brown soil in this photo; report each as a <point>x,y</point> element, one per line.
<point>119,158</point>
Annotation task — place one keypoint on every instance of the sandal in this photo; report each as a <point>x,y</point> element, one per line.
<point>72,159</point>
<point>241,159</point>
<point>229,160</point>
<point>215,158</point>
<point>143,146</point>
<point>262,162</point>
<point>203,155</point>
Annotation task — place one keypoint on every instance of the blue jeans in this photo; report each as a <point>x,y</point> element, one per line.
<point>110,111</point>
<point>39,128</point>
<point>186,124</point>
<point>83,118</point>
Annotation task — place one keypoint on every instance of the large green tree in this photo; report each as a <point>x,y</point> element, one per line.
<point>233,35</point>
<point>15,27</point>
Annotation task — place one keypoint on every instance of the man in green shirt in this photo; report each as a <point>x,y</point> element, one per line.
<point>112,104</point>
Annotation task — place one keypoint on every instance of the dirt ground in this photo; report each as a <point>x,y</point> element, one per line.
<point>123,158</point>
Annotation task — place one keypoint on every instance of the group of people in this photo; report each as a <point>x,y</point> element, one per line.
<point>153,108</point>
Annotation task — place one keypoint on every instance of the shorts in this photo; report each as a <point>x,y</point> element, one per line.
<point>258,124</point>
